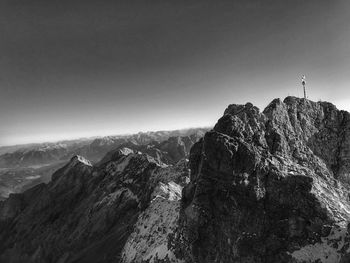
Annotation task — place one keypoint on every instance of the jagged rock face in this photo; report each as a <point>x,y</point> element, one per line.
<point>269,187</point>
<point>89,214</point>
<point>155,229</point>
<point>168,152</point>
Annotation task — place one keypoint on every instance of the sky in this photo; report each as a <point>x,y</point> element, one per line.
<point>71,69</point>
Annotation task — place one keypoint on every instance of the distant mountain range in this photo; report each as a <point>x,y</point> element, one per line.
<point>33,164</point>
<point>94,149</point>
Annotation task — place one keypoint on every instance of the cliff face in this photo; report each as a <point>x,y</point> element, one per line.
<point>270,186</point>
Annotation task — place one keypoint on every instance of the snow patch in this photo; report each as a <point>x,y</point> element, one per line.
<point>171,190</point>
<point>334,199</point>
<point>150,239</point>
<point>160,253</point>
<point>329,250</point>
<point>79,159</point>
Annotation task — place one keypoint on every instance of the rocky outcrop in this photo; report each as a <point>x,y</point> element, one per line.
<point>89,214</point>
<point>269,186</point>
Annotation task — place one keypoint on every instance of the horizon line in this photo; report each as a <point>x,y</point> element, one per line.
<point>102,136</point>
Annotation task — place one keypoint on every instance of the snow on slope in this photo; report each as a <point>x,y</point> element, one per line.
<point>149,241</point>
<point>329,250</point>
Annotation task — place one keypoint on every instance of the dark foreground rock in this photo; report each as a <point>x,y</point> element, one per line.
<point>269,187</point>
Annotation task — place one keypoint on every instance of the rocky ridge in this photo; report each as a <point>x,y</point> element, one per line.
<point>33,166</point>
<point>270,186</point>
<point>88,213</point>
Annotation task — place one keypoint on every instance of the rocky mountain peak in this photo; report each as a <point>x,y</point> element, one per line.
<point>116,154</point>
<point>77,166</point>
<point>277,179</point>
<point>87,213</point>
<point>77,159</point>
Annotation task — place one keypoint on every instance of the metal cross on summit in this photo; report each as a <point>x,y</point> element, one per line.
<point>303,81</point>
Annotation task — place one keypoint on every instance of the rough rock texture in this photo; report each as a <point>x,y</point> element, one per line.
<point>87,214</point>
<point>156,226</point>
<point>269,187</point>
<point>264,187</point>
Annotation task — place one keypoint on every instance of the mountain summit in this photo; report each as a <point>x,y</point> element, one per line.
<point>270,186</point>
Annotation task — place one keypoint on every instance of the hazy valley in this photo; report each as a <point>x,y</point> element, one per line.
<point>22,167</point>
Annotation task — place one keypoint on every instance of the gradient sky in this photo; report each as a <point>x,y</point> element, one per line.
<point>83,68</point>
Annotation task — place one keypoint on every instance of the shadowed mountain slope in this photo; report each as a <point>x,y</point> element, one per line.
<point>86,213</point>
